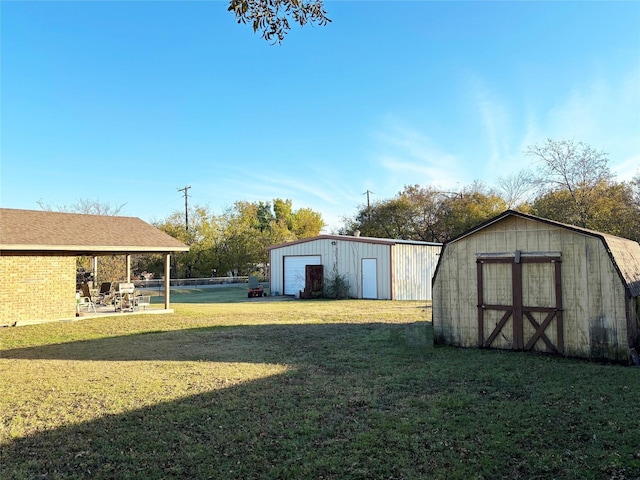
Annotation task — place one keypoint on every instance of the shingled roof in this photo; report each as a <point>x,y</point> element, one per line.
<point>79,234</point>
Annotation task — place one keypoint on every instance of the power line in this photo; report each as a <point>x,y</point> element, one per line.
<point>186,205</point>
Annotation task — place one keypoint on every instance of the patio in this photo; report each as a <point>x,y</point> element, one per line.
<point>102,311</point>
<point>38,253</point>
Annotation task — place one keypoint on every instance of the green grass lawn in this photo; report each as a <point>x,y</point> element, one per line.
<point>302,390</point>
<point>218,294</point>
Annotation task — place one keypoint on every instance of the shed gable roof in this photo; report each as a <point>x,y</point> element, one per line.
<point>624,253</point>
<point>73,233</point>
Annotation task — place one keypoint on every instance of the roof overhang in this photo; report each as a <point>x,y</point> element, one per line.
<point>348,238</point>
<point>84,250</point>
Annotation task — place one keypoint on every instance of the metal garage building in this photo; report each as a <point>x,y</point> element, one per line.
<point>375,268</point>
<point>520,282</point>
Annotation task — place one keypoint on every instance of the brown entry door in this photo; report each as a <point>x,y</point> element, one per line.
<point>520,301</point>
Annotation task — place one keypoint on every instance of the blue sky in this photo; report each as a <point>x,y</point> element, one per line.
<point>125,102</point>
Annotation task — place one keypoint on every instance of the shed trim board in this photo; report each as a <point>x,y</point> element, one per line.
<point>404,268</point>
<point>582,286</point>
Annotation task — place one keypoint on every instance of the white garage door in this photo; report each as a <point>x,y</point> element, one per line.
<point>294,272</point>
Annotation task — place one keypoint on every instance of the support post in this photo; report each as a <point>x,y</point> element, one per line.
<point>94,267</point>
<point>167,279</point>
<point>128,257</point>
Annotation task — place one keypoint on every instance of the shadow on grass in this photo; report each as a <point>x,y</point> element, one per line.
<point>294,425</point>
<point>256,344</point>
<point>360,401</point>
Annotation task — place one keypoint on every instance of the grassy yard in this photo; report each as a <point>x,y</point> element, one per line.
<point>302,390</point>
<point>218,294</point>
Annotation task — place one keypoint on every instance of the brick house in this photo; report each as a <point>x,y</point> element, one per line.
<point>38,252</point>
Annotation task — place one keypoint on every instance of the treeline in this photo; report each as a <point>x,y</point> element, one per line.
<point>235,242</point>
<point>569,182</point>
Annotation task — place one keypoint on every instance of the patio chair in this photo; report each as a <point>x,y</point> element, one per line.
<point>83,299</point>
<point>105,294</point>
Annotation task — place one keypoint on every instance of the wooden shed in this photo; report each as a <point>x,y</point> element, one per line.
<point>520,282</point>
<point>38,253</point>
<point>375,268</point>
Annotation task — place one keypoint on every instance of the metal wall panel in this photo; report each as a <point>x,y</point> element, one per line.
<point>413,269</point>
<point>404,270</point>
<point>341,256</point>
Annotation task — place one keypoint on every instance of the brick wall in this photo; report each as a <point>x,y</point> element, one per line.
<point>37,288</point>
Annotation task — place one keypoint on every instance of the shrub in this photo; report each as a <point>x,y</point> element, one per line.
<point>336,286</point>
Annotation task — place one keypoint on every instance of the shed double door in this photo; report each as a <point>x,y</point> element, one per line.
<point>520,301</point>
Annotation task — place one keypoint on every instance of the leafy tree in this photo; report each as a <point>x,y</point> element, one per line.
<point>473,205</point>
<point>575,168</point>
<point>387,219</point>
<point>271,17</point>
<point>302,223</point>
<point>249,228</point>
<point>306,223</point>
<point>408,215</point>
<point>283,212</point>
<point>202,238</point>
<point>235,242</point>
<point>428,208</point>
<point>426,214</point>
<point>241,248</point>
<point>615,212</point>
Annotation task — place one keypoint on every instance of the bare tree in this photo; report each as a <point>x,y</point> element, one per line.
<point>271,17</point>
<point>112,268</point>
<point>635,188</point>
<point>516,187</point>
<point>574,167</point>
<point>83,205</point>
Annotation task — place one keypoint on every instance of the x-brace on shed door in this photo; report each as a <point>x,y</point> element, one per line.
<point>526,289</point>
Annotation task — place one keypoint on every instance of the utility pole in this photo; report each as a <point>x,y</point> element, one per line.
<point>186,205</point>
<point>368,203</point>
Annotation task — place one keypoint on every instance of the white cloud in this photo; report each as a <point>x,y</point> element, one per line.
<point>410,157</point>
<point>627,169</point>
<point>602,111</point>
<point>606,115</point>
<point>495,119</point>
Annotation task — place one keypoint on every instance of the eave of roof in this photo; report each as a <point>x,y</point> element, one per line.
<point>348,238</point>
<point>86,250</point>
